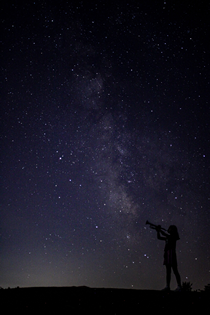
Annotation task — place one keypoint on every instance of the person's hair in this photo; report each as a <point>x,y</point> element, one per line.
<point>174,231</point>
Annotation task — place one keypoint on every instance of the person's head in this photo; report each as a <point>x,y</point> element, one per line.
<point>172,230</point>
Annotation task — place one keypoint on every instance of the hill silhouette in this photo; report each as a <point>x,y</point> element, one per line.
<point>80,300</point>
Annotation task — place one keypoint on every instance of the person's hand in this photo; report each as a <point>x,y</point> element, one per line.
<point>158,228</point>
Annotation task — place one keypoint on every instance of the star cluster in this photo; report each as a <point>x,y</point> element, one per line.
<point>105,124</point>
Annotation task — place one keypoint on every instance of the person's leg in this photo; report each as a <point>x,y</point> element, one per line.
<point>168,276</point>
<point>177,275</point>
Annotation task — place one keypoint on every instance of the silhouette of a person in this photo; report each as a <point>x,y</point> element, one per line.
<point>170,260</point>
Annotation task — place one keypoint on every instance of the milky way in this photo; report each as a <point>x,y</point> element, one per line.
<point>105,125</point>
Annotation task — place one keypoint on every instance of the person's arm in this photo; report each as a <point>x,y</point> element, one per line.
<point>160,237</point>
<point>158,229</point>
<point>164,233</point>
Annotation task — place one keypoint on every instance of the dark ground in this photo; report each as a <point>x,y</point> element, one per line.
<point>80,300</point>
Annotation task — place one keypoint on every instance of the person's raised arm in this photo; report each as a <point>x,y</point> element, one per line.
<point>158,229</point>
<point>164,233</point>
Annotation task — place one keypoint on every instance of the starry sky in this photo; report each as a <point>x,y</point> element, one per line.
<point>105,124</point>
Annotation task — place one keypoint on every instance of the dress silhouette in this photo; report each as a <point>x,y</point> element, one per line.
<point>170,260</point>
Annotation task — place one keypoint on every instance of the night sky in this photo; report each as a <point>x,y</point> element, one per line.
<point>105,124</point>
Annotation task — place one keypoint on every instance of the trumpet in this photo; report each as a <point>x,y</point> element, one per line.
<point>155,227</point>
